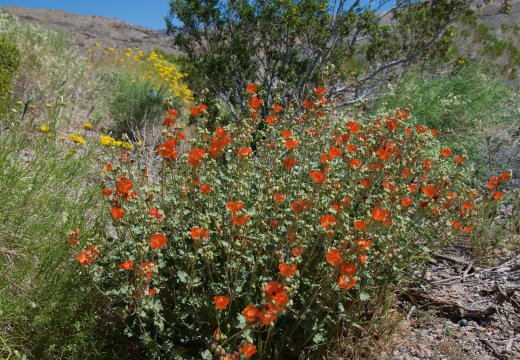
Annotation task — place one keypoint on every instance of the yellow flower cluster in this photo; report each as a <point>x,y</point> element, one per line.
<point>163,73</point>
<point>107,140</point>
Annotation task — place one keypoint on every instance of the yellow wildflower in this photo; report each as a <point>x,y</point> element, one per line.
<point>77,139</point>
<point>87,125</point>
<point>44,128</point>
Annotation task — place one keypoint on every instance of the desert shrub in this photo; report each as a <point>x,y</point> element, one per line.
<point>461,106</point>
<point>9,64</point>
<point>43,314</point>
<point>226,253</point>
<point>135,105</point>
<point>50,68</point>
<point>137,87</point>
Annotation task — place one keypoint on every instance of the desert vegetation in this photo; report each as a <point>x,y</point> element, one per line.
<point>266,195</point>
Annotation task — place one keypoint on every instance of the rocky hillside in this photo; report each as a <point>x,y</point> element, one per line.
<point>89,29</point>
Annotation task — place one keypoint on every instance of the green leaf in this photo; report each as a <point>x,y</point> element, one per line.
<point>364,296</point>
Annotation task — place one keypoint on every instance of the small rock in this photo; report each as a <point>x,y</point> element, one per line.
<point>463,322</point>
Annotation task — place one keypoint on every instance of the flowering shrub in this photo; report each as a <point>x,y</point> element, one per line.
<point>233,253</point>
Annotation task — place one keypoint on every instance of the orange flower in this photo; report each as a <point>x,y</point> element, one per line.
<point>365,182</point>
<point>408,131</point>
<point>347,269</point>
<point>433,132</point>
<point>317,176</point>
<point>239,221</point>
<point>406,202</point>
<point>194,111</point>
<point>383,154</point>
<point>355,163</point>
<point>363,244</point>
<point>360,225</point>
<point>248,349</point>
<point>429,190</point>
<point>388,222</point>
<point>351,148</point>
<point>109,166</point>
<point>328,220</point>
<point>256,103</point>
<point>379,214</point>
<point>300,206</point>
<point>289,163</point>
<point>195,156</point>
<point>124,185</point>
<point>244,152</point>
<point>286,134</point>
<point>354,127</point>
<point>205,189</point>
<point>287,270</point>
<point>153,291</point>
<point>346,285</point>
<point>82,258</point>
<point>498,195</point>
<point>198,233</point>
<point>181,136</point>
<point>155,212</point>
<point>334,152</point>
<point>221,301</point>
<point>117,212</point>
<point>412,187</point>
<point>297,251</point>
<point>362,259</point>
<point>333,257</point>
<point>268,317</point>
<point>251,313</point>
<point>235,207</point>
<point>221,133</point>
<point>467,205</point>
<point>505,175</point>
<point>445,152</point>
<point>127,265</point>
<point>252,88</point>
<point>291,144</point>
<point>459,159</point>
<point>279,197</point>
<point>272,119</point>
<point>320,90</point>
<point>157,241</point>
<point>420,129</point>
<point>276,292</point>
<point>309,104</point>
<point>107,192</point>
<point>455,224</point>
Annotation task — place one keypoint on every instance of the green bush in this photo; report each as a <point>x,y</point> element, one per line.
<point>462,106</point>
<point>9,65</point>
<point>300,243</point>
<point>134,105</point>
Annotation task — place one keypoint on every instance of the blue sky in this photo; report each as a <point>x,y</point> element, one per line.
<point>149,13</point>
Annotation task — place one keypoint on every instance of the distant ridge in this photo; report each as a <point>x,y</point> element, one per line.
<point>86,30</point>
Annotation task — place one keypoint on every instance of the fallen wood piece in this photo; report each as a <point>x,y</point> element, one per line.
<point>491,347</point>
<point>466,272</point>
<point>449,306</point>
<point>454,260</point>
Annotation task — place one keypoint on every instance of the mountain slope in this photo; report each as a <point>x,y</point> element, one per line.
<point>89,29</point>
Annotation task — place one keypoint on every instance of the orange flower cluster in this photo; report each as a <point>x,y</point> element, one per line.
<point>285,200</point>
